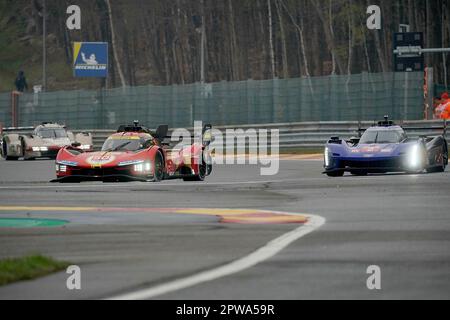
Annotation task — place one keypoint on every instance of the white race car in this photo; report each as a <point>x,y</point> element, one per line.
<point>44,141</point>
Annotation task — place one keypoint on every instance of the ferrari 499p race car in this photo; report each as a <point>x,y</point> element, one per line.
<point>44,141</point>
<point>385,148</point>
<point>135,153</point>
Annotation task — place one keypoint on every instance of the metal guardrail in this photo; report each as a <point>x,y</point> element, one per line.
<point>308,135</point>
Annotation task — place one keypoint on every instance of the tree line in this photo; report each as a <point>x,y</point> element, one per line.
<point>159,41</point>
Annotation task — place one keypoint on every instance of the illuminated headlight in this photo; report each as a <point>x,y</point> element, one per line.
<point>85,147</point>
<point>61,166</point>
<point>414,157</point>
<point>67,163</point>
<point>130,163</point>
<point>38,149</point>
<point>142,167</point>
<point>327,157</point>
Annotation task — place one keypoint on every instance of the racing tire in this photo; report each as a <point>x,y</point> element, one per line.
<point>4,148</point>
<point>336,174</point>
<point>5,153</point>
<point>202,173</point>
<point>440,168</point>
<point>159,167</point>
<point>22,146</point>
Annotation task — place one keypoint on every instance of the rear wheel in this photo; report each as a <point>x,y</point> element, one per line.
<point>4,149</point>
<point>5,152</point>
<point>202,173</point>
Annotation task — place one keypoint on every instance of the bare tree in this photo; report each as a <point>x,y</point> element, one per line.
<point>113,43</point>
<point>444,23</point>
<point>272,54</point>
<point>283,42</point>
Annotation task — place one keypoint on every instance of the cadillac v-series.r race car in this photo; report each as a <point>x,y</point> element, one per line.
<point>386,148</point>
<point>134,153</point>
<point>44,141</point>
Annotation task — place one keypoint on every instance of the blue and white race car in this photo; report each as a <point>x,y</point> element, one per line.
<point>385,148</point>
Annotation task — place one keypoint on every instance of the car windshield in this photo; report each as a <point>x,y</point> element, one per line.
<point>382,136</point>
<point>52,133</point>
<point>126,144</point>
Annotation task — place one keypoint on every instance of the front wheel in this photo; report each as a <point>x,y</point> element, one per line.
<point>335,174</point>
<point>441,167</point>
<point>158,173</point>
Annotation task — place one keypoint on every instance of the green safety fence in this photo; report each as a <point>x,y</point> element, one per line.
<point>5,109</point>
<point>365,96</point>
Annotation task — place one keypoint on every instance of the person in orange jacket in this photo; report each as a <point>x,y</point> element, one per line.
<point>445,106</point>
<point>440,110</point>
<point>445,115</point>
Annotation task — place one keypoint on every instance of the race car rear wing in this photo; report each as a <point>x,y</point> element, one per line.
<point>206,136</point>
<point>17,130</point>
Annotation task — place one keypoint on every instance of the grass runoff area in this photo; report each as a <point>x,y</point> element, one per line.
<point>28,268</point>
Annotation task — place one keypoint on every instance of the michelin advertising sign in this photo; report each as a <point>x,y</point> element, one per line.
<point>90,59</point>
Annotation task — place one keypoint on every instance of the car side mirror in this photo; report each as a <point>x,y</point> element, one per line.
<point>354,141</point>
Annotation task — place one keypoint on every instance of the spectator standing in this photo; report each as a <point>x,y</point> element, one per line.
<point>21,82</point>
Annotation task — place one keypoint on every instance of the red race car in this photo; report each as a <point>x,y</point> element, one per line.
<point>135,153</point>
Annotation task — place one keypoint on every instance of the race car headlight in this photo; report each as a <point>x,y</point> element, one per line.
<point>67,163</point>
<point>414,157</point>
<point>130,163</point>
<point>142,167</point>
<point>61,168</point>
<point>327,157</point>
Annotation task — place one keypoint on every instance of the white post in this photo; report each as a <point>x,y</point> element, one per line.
<point>44,46</point>
<point>405,107</point>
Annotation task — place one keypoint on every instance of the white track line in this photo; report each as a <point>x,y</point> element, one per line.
<point>260,255</point>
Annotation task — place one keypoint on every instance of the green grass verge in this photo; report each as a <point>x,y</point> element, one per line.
<point>28,268</point>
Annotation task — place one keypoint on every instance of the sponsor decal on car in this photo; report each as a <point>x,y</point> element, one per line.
<point>99,161</point>
<point>371,149</point>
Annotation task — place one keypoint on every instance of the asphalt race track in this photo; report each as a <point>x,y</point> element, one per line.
<point>124,245</point>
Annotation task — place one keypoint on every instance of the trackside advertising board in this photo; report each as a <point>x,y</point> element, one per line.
<point>90,59</point>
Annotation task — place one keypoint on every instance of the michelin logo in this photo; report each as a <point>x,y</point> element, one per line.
<point>90,59</point>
